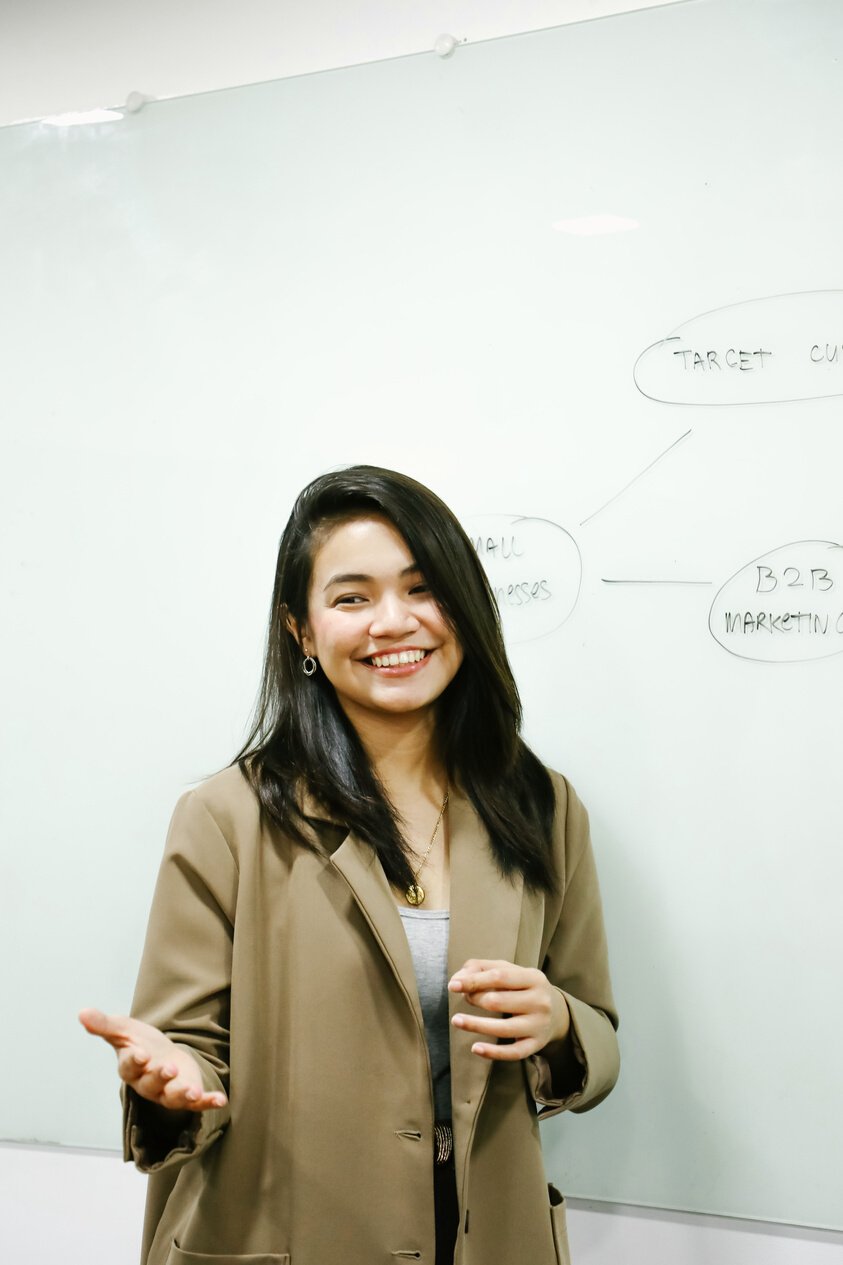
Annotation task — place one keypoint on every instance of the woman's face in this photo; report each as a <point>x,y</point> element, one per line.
<point>368,600</point>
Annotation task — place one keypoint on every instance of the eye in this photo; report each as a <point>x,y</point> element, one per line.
<point>348,599</point>
<point>420,588</point>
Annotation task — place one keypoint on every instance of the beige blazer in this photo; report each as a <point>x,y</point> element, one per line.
<point>288,974</point>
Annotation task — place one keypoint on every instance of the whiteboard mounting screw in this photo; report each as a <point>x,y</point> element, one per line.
<point>444,45</point>
<point>135,102</point>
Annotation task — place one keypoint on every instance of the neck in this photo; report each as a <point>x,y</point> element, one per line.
<point>404,755</point>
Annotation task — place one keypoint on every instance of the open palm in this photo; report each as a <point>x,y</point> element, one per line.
<point>156,1068</point>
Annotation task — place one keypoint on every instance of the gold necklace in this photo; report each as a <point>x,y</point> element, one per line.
<point>415,894</point>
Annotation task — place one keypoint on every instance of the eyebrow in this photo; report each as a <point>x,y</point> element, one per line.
<point>355,577</point>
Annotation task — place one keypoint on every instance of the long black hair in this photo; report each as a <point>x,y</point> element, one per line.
<point>300,736</point>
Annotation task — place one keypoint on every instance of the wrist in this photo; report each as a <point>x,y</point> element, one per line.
<point>562,1022</point>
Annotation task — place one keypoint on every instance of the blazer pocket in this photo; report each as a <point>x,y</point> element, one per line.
<point>559,1224</point>
<point>179,1256</point>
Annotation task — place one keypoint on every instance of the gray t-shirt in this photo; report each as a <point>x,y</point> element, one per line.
<point>427,934</point>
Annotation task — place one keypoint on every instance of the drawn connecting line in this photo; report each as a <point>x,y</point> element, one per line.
<point>627,486</point>
<point>626,581</point>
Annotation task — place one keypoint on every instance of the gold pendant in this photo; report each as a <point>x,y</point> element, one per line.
<point>414,894</point>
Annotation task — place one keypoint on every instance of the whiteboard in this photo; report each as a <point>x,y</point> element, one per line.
<point>586,284</point>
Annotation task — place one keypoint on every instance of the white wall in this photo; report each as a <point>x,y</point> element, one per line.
<point>92,1206</point>
<point>58,57</point>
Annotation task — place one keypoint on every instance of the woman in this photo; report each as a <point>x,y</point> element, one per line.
<point>299,1081</point>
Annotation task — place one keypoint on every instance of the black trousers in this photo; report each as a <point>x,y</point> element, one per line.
<point>447,1211</point>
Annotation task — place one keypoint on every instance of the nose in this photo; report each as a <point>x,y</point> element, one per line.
<point>392,616</point>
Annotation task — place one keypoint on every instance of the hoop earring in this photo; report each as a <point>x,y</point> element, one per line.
<point>309,665</point>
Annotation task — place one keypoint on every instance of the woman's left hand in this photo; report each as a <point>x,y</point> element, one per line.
<point>534,1013</point>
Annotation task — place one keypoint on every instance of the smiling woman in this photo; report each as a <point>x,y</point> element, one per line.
<point>316,1070</point>
<point>373,563</point>
<point>379,634</point>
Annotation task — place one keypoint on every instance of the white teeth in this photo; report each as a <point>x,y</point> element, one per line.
<point>393,660</point>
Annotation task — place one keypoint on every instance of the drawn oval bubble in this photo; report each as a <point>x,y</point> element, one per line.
<point>534,568</point>
<point>784,607</point>
<point>762,351</point>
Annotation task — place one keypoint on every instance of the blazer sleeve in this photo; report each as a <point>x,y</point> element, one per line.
<point>577,963</point>
<point>184,982</point>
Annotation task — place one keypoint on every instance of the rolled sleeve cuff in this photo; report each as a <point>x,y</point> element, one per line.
<point>151,1145</point>
<point>596,1050</point>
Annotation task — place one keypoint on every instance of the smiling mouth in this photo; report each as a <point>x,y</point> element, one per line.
<point>400,659</point>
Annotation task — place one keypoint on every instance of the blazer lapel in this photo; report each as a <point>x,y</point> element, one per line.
<point>364,874</point>
<point>485,921</point>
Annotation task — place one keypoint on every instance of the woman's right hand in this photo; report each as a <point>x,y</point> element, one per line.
<point>157,1069</point>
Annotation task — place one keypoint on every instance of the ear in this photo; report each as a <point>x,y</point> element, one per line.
<point>299,635</point>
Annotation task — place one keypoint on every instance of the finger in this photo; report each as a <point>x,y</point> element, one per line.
<point>492,975</point>
<point>179,1096</point>
<point>506,1053</point>
<point>180,1091</point>
<point>489,999</point>
<point>132,1062</point>
<point>166,1092</point>
<point>164,1082</point>
<point>475,981</point>
<point>205,1102</point>
<point>513,1001</point>
<point>471,970</point>
<point>185,1099</point>
<point>139,1070</point>
<point>112,1028</point>
<point>509,1027</point>
<point>474,966</point>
